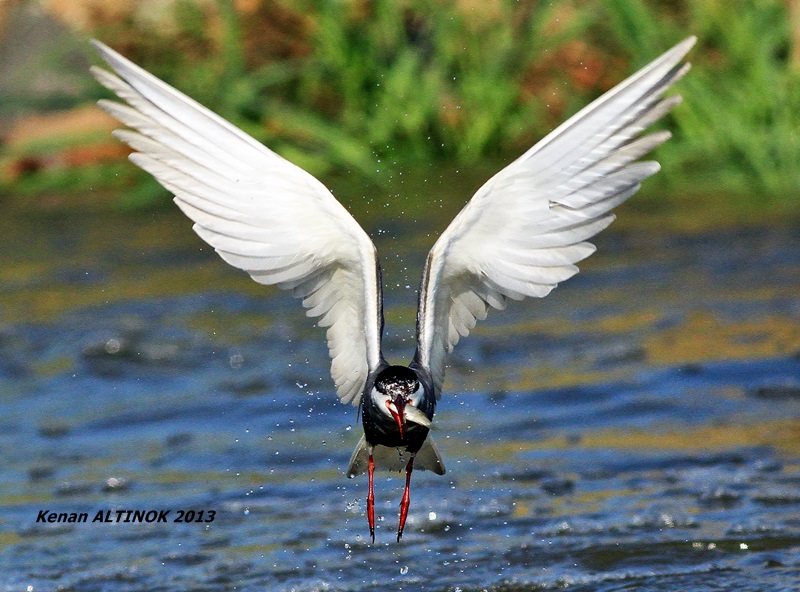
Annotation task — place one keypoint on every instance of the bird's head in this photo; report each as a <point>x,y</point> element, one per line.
<point>397,394</point>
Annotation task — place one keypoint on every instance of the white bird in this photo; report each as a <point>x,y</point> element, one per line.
<point>520,235</point>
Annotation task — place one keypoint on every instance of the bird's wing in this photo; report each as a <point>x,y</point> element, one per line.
<point>260,212</point>
<point>524,230</point>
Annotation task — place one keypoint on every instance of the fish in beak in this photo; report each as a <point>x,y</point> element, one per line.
<point>403,411</point>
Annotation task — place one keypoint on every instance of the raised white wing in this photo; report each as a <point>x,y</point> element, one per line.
<point>260,212</point>
<point>524,230</point>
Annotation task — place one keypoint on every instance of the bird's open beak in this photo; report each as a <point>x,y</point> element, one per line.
<point>402,412</point>
<point>397,408</point>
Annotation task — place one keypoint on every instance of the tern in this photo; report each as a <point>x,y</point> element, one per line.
<point>519,236</point>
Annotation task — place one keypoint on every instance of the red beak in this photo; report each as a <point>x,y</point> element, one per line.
<point>398,413</point>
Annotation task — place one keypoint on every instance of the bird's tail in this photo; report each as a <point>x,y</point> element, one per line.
<point>393,459</point>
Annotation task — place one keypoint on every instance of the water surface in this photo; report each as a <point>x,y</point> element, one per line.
<point>639,429</point>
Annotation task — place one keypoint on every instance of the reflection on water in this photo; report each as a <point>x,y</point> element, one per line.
<point>638,429</point>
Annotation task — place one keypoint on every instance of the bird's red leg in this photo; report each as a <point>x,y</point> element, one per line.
<point>404,503</point>
<point>371,498</point>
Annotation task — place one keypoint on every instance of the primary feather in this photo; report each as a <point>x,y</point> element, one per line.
<point>260,212</point>
<point>523,232</point>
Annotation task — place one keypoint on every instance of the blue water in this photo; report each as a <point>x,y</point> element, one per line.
<point>639,429</point>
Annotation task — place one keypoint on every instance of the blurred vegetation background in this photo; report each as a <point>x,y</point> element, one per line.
<point>377,89</point>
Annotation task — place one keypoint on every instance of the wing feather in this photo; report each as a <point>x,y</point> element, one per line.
<point>523,232</point>
<point>261,213</point>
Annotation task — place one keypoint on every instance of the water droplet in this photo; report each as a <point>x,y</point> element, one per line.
<point>113,346</point>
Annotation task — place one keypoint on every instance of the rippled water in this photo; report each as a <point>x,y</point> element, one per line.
<point>639,429</point>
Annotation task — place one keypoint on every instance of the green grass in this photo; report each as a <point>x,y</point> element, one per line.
<point>133,189</point>
<point>371,88</point>
<point>738,131</point>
